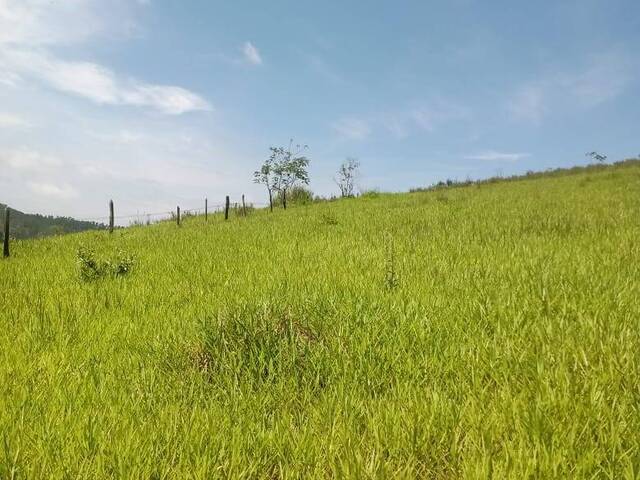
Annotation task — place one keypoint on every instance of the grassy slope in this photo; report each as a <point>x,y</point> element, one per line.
<point>272,346</point>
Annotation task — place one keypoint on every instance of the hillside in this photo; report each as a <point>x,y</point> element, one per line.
<point>27,225</point>
<point>481,331</point>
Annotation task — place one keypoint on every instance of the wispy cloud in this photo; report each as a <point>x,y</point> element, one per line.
<point>9,120</point>
<point>28,28</point>
<point>251,54</point>
<point>432,114</point>
<point>27,159</point>
<point>320,67</point>
<point>420,117</point>
<point>39,23</point>
<point>100,85</point>
<point>606,77</point>
<point>63,191</point>
<point>495,156</point>
<point>121,137</point>
<point>352,128</point>
<point>396,125</point>
<point>9,79</point>
<point>528,103</point>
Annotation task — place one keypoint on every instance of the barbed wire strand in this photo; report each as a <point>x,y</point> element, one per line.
<point>211,208</point>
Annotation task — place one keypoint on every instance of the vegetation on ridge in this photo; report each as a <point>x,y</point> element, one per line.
<point>27,225</point>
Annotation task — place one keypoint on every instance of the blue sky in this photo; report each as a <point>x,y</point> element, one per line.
<point>156,103</point>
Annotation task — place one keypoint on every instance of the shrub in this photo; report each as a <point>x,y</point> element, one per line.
<point>90,268</point>
<point>298,195</point>
<point>121,264</point>
<point>371,193</point>
<point>93,267</point>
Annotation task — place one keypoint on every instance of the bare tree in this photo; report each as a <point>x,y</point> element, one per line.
<point>347,174</point>
<point>289,168</point>
<point>597,156</point>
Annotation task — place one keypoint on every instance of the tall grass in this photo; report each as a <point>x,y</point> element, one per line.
<point>272,346</point>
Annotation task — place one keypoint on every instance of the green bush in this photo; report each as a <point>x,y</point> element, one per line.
<point>371,193</point>
<point>92,267</point>
<point>296,196</point>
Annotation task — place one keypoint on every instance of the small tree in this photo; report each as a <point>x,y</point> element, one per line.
<point>347,174</point>
<point>597,156</point>
<point>289,168</point>
<point>266,176</point>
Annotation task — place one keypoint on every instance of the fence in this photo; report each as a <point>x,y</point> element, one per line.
<point>144,218</point>
<point>5,243</point>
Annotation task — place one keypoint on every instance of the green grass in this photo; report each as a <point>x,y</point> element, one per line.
<point>475,332</point>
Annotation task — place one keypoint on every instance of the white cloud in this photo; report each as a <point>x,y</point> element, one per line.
<point>251,54</point>
<point>167,99</point>
<point>28,28</point>
<point>9,79</point>
<point>38,23</point>
<point>26,159</point>
<point>126,137</point>
<point>9,120</point>
<point>100,85</point>
<point>494,156</point>
<point>63,191</point>
<point>352,128</point>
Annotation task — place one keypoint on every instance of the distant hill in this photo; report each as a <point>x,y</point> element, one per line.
<point>27,225</point>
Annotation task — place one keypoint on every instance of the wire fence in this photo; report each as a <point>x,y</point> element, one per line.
<point>144,218</point>
<point>147,218</point>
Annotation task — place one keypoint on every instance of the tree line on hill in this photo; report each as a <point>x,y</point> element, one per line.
<point>27,225</point>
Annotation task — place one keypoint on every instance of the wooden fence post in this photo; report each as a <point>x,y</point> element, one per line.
<point>226,208</point>
<point>244,209</point>
<point>110,216</point>
<point>5,249</point>
<point>178,215</point>
<point>206,209</point>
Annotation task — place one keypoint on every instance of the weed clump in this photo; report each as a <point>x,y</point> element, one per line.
<point>259,348</point>
<point>391,272</point>
<point>93,267</point>
<point>328,219</point>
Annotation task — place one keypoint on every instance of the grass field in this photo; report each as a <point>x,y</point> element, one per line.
<point>476,332</point>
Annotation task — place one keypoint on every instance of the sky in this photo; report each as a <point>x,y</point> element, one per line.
<point>158,103</point>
